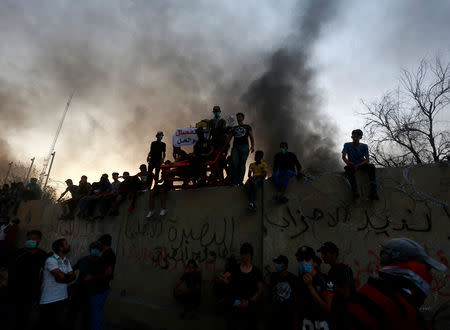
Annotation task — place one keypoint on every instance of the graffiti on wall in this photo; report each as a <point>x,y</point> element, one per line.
<point>166,244</point>
<point>79,234</point>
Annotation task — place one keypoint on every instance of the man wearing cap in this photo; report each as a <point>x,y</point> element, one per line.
<point>283,286</point>
<point>155,158</point>
<point>315,291</point>
<point>343,281</point>
<point>392,300</point>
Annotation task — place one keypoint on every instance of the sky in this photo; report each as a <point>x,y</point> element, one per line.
<point>137,67</point>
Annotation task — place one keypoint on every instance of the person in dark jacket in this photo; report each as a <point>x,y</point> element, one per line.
<point>285,166</point>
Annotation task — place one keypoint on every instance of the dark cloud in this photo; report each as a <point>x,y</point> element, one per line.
<point>139,66</point>
<point>284,98</point>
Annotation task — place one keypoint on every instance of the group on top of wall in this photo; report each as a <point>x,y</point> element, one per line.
<point>208,165</point>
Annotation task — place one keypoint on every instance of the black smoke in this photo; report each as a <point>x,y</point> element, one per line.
<point>284,100</point>
<point>137,67</point>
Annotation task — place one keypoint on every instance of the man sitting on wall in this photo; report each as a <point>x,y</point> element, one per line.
<point>356,156</point>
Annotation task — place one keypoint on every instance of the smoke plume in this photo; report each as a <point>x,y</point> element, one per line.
<point>284,100</point>
<point>138,67</point>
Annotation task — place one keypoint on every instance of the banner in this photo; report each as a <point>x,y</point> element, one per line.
<point>186,137</point>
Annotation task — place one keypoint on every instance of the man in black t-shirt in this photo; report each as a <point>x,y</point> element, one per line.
<point>283,285</point>
<point>100,292</point>
<point>217,129</point>
<point>246,288</point>
<point>239,154</point>
<point>24,279</point>
<point>343,281</point>
<point>156,157</point>
<point>82,289</point>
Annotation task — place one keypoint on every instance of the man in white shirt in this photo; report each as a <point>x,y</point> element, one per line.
<point>57,273</point>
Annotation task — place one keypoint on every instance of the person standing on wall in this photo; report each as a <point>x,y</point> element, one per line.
<point>239,154</point>
<point>217,129</point>
<point>356,157</point>
<point>101,290</point>
<point>155,158</point>
<point>341,276</point>
<point>57,274</point>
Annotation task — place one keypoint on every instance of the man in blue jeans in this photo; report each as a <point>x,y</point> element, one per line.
<point>285,166</point>
<point>241,133</point>
<point>356,158</point>
<point>97,299</point>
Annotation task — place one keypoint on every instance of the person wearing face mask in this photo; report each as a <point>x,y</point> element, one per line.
<point>283,286</point>
<point>54,296</point>
<point>82,288</point>
<point>341,275</point>
<point>217,129</point>
<point>239,154</point>
<point>155,158</point>
<point>315,291</point>
<point>285,166</point>
<point>392,299</point>
<point>24,279</point>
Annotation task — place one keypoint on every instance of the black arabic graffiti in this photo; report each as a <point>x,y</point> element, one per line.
<point>342,214</point>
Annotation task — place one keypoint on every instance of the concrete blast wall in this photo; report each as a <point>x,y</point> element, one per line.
<point>210,224</point>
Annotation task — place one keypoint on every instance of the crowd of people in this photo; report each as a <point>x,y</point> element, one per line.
<point>12,195</point>
<point>316,300</point>
<point>213,142</point>
<point>41,290</point>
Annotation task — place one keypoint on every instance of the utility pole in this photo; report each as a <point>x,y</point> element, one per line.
<point>52,146</point>
<point>7,173</point>
<point>29,170</point>
<point>48,173</point>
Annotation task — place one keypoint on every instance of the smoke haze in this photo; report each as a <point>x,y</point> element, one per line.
<point>138,67</point>
<point>284,98</point>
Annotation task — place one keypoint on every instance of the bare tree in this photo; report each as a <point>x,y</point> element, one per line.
<point>405,126</point>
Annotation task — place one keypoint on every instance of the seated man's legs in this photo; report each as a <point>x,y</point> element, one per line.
<point>105,204</point>
<point>282,178</point>
<point>371,172</point>
<point>84,203</point>
<point>285,179</point>
<point>252,189</point>
<point>350,173</point>
<point>276,179</point>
